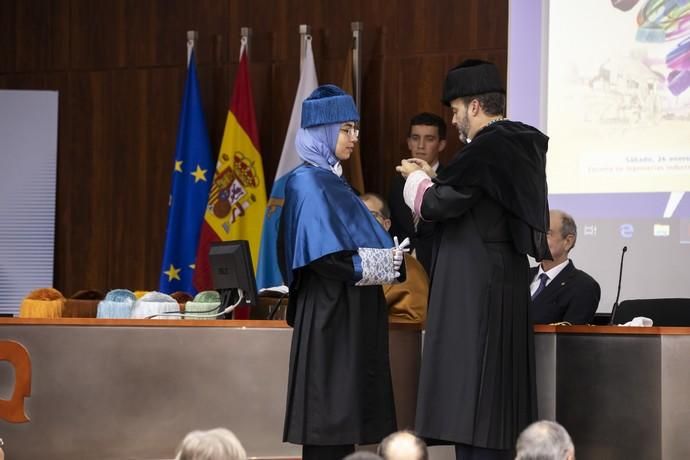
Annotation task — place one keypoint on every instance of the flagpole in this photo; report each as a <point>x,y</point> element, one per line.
<point>246,34</point>
<point>192,37</point>
<point>304,35</point>
<point>357,32</point>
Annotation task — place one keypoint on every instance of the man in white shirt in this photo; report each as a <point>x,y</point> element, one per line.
<point>561,292</point>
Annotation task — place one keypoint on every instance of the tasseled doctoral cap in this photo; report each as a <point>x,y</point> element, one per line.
<point>154,303</point>
<point>42,303</point>
<point>328,104</point>
<point>117,304</point>
<point>472,77</point>
<point>205,303</point>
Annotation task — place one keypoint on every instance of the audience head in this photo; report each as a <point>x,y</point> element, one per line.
<point>403,445</point>
<point>378,208</point>
<point>545,440</point>
<point>362,455</point>
<point>562,235</point>
<point>216,444</point>
<point>426,137</point>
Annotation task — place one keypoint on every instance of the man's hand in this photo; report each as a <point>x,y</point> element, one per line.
<point>407,167</point>
<point>411,165</point>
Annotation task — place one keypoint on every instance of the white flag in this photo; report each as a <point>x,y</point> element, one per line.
<point>268,274</point>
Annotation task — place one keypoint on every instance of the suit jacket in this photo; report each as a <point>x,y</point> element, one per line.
<point>571,296</point>
<point>402,225</point>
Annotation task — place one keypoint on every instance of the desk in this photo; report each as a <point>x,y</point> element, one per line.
<point>622,393</point>
<point>114,389</point>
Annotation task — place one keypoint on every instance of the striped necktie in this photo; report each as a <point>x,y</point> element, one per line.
<point>543,279</point>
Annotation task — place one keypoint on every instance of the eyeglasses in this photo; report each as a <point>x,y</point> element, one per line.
<point>378,216</point>
<point>352,132</point>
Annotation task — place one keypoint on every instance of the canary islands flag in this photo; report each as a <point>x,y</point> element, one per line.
<point>237,200</point>
<point>269,272</point>
<point>190,185</point>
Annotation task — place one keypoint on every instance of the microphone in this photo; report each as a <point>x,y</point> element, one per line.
<point>620,278</point>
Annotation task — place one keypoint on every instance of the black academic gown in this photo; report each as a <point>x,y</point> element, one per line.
<point>477,379</point>
<point>339,387</point>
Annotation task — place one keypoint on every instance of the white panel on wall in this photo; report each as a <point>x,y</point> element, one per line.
<point>28,173</point>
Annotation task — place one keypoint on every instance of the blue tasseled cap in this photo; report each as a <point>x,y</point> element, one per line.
<point>328,104</point>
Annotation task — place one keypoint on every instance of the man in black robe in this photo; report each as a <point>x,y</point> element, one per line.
<point>477,380</point>
<point>335,256</point>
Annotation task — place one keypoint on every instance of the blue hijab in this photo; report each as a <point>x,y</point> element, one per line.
<point>316,145</point>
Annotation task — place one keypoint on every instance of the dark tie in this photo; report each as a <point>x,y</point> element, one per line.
<point>543,278</point>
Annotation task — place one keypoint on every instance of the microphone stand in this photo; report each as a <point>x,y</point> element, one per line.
<point>620,278</point>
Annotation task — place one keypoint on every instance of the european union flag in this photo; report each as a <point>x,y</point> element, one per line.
<point>191,181</point>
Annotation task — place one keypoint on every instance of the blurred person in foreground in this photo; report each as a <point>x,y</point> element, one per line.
<point>216,444</point>
<point>403,445</point>
<point>545,440</point>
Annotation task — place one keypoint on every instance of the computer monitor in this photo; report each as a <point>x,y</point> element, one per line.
<point>231,270</point>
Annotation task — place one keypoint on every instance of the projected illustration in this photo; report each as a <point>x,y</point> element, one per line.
<point>618,107</point>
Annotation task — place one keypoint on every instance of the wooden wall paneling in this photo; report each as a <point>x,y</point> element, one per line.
<point>163,102</point>
<point>60,81</point>
<point>278,108</point>
<point>312,14</point>
<point>42,33</point>
<point>125,138</point>
<point>216,98</point>
<point>212,19</point>
<point>267,39</point>
<point>143,27</point>
<point>492,29</point>
<point>418,26</point>
<point>158,30</point>
<point>85,190</point>
<point>374,164</point>
<point>261,74</point>
<point>17,81</point>
<point>99,36</point>
<point>8,36</point>
<point>389,130</point>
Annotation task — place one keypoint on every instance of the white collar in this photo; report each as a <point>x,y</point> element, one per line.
<point>553,273</point>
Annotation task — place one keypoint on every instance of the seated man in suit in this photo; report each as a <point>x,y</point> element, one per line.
<point>407,301</point>
<point>561,292</point>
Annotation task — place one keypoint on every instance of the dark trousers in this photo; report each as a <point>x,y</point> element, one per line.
<point>326,452</point>
<point>467,452</point>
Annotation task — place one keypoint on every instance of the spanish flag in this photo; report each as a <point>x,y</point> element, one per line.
<point>237,200</point>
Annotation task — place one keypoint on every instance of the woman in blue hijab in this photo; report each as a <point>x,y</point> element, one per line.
<point>335,256</point>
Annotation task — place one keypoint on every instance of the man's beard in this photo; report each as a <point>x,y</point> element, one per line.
<point>464,128</point>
